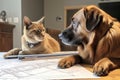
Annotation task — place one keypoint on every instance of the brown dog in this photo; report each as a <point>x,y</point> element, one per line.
<point>97,36</point>
<point>35,40</point>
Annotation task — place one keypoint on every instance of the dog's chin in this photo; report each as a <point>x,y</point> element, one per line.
<point>75,42</point>
<point>66,43</point>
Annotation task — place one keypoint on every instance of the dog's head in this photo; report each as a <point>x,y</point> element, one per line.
<point>82,24</point>
<point>34,31</point>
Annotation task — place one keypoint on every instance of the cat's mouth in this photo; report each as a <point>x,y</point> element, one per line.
<point>35,40</point>
<point>39,39</point>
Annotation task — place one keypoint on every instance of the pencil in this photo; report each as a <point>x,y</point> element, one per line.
<point>63,53</point>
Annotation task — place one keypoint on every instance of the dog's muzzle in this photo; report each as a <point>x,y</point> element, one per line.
<point>67,35</point>
<point>69,38</point>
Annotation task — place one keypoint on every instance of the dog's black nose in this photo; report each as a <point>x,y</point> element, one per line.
<point>62,34</point>
<point>65,33</point>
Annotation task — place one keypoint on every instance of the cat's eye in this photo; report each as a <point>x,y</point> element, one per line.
<point>38,31</point>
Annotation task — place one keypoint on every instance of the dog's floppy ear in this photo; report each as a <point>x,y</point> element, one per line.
<point>41,20</point>
<point>93,18</point>
<point>27,22</point>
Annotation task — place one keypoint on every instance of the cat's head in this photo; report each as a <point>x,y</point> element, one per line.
<point>34,31</point>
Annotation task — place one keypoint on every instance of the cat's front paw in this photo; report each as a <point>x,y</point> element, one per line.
<point>6,55</point>
<point>14,51</point>
<point>21,53</point>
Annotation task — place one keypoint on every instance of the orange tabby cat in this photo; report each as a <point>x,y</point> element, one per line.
<point>35,40</point>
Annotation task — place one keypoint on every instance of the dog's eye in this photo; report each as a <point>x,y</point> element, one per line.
<point>74,24</point>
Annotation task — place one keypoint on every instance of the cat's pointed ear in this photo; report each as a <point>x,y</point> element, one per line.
<point>27,21</point>
<point>41,20</point>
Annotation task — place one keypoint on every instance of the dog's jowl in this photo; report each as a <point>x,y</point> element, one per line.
<point>97,35</point>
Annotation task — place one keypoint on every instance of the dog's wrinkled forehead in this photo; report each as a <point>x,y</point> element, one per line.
<point>89,17</point>
<point>80,18</point>
<point>85,11</point>
<point>79,15</point>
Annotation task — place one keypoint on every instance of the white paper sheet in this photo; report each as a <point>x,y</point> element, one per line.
<point>14,69</point>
